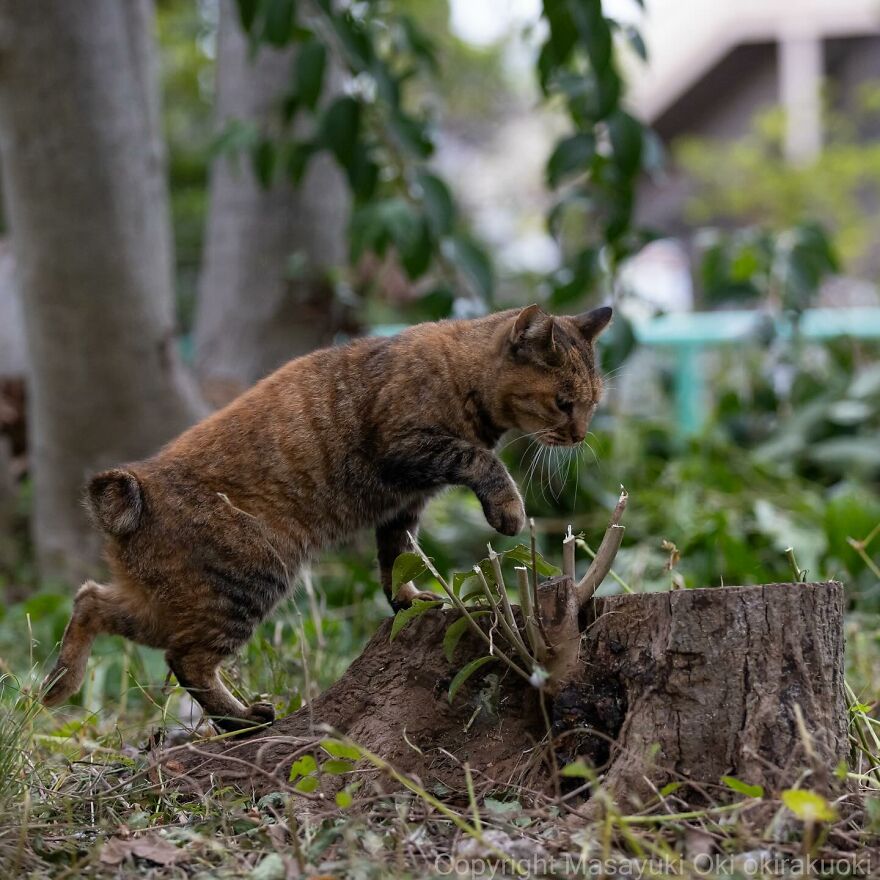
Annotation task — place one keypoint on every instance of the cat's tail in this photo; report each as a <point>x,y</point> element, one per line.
<point>115,499</point>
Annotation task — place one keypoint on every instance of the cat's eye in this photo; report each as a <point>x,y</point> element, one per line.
<point>563,405</point>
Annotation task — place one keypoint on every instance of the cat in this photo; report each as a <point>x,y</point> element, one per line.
<point>204,539</point>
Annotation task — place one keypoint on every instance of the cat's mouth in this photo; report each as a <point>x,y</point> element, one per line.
<point>553,440</point>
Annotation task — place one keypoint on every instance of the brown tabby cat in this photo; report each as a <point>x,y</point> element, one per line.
<point>205,538</point>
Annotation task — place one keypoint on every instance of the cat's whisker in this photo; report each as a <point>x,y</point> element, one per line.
<point>546,463</point>
<point>532,448</point>
<point>559,457</point>
<point>593,451</point>
<point>534,472</point>
<point>540,471</point>
<point>531,472</point>
<point>568,467</point>
<point>526,451</point>
<point>552,459</point>
<point>516,437</point>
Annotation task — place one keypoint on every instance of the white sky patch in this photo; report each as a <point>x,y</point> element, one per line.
<point>484,22</point>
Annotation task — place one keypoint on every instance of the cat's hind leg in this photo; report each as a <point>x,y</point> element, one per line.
<point>392,539</point>
<point>97,608</point>
<point>197,671</point>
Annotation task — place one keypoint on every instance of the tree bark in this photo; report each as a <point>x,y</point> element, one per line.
<point>687,687</point>
<point>255,311</point>
<point>86,199</point>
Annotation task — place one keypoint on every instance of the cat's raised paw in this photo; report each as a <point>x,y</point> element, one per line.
<point>509,517</point>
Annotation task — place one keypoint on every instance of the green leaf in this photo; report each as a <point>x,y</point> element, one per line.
<point>464,674</point>
<point>595,32</point>
<point>502,808</point>
<point>626,141</point>
<point>579,770</point>
<point>461,577</point>
<point>653,151</point>
<point>363,173</point>
<point>270,867</point>
<point>572,155</point>
<point>402,618</point>
<point>455,631</point>
<point>634,38</point>
<point>377,224</point>
<point>340,128</point>
<point>604,94</point>
<point>263,160</point>
<point>306,785</point>
<point>471,591</point>
<point>303,767</point>
<point>309,67</point>
<point>407,567</point>
<point>278,22</point>
<point>236,135</point>
<point>419,43</point>
<point>669,788</point>
<point>435,304</point>
<point>438,203</point>
<point>744,788</point>
<point>247,13</point>
<point>337,767</point>
<point>866,383</point>
<point>474,262</point>
<point>523,555</point>
<point>562,35</point>
<point>851,512</point>
<point>341,750</point>
<point>415,248</point>
<point>850,412</point>
<point>412,135</point>
<point>847,455</point>
<point>297,159</point>
<point>808,806</point>
<point>344,798</point>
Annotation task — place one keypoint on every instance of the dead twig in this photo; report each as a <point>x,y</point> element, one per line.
<point>604,557</point>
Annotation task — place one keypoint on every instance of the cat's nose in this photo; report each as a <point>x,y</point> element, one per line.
<point>577,434</point>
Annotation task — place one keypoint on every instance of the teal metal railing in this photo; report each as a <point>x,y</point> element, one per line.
<point>689,334</point>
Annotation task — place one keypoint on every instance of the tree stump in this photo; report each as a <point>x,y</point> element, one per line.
<point>685,686</point>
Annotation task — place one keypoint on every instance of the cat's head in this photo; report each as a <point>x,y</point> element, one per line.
<point>549,384</point>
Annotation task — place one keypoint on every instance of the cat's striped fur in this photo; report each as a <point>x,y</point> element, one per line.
<point>204,538</point>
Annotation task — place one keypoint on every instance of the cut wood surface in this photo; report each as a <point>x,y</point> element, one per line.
<point>686,686</point>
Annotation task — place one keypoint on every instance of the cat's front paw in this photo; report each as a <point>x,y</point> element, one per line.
<point>261,713</point>
<point>507,516</point>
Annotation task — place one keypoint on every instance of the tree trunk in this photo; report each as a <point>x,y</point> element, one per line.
<point>265,294</point>
<point>685,687</point>
<point>85,191</point>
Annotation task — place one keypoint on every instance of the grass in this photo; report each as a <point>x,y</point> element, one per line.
<point>79,796</point>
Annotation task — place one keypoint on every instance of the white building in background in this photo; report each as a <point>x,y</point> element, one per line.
<point>713,65</point>
<point>799,43</point>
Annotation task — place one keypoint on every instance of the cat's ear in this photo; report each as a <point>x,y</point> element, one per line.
<point>532,335</point>
<point>591,324</point>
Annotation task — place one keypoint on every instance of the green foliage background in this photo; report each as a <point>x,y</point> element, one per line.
<point>777,465</point>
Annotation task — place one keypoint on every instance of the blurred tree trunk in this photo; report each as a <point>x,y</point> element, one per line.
<point>265,295</point>
<point>86,199</point>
